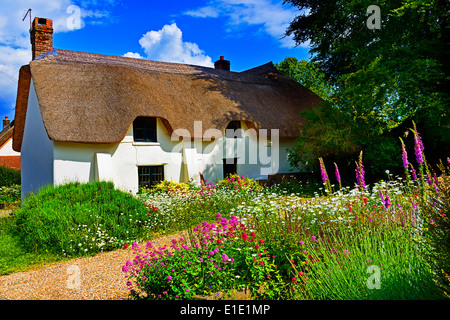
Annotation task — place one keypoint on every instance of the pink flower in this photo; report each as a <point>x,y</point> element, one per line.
<point>338,177</point>
<point>323,171</point>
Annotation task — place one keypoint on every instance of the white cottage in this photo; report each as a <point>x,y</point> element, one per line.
<point>86,117</point>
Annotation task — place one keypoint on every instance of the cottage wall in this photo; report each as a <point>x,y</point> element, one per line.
<point>37,149</point>
<point>7,150</point>
<point>116,162</point>
<point>182,160</point>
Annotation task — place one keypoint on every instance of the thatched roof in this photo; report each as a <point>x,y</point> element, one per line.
<point>92,98</point>
<point>6,133</point>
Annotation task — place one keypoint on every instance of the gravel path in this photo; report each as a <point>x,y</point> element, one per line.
<point>98,277</point>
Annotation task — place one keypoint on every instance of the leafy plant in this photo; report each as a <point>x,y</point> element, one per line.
<point>10,195</point>
<point>81,219</point>
<point>239,183</point>
<point>220,257</point>
<point>436,217</point>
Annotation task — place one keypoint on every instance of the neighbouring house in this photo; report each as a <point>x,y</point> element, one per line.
<point>85,117</point>
<point>8,157</point>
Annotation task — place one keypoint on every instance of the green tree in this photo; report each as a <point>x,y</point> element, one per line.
<point>308,74</point>
<point>382,77</point>
<point>327,131</point>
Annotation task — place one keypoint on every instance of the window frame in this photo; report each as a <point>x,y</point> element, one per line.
<point>226,167</point>
<point>148,125</point>
<point>152,172</point>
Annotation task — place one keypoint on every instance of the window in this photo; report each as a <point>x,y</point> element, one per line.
<point>144,129</point>
<point>233,130</point>
<point>229,166</point>
<point>150,175</point>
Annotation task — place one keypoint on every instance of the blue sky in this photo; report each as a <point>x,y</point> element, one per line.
<point>247,32</point>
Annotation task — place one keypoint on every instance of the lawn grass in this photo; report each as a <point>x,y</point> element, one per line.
<point>14,257</point>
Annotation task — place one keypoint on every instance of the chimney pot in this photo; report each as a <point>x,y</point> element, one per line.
<point>6,122</point>
<point>222,64</point>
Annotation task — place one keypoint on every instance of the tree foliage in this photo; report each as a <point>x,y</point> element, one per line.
<point>327,131</point>
<point>380,77</point>
<point>307,73</point>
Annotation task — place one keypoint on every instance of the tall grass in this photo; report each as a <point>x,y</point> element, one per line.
<point>14,256</point>
<point>365,263</point>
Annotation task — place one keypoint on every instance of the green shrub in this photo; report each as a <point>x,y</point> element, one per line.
<point>236,182</point>
<point>81,219</point>
<point>168,186</point>
<point>9,176</point>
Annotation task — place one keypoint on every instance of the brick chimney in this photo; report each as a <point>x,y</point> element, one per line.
<point>6,122</point>
<point>222,64</point>
<point>41,36</point>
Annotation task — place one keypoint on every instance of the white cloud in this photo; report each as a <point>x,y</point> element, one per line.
<point>133,55</point>
<point>167,45</point>
<point>15,47</point>
<point>204,12</point>
<point>272,16</point>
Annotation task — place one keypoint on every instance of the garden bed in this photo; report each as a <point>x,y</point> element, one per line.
<point>388,240</point>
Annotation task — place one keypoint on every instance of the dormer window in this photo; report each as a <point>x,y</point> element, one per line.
<point>233,130</point>
<point>144,129</point>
